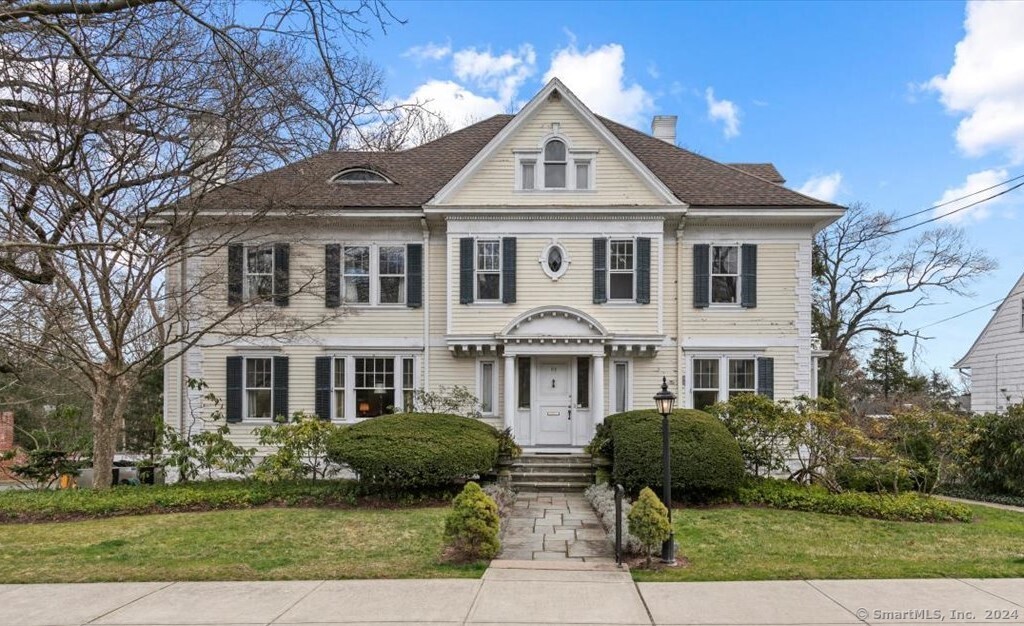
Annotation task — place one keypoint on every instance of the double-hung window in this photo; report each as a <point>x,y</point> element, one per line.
<point>259,388</point>
<point>356,274</point>
<point>621,269</point>
<point>488,270</point>
<point>373,274</point>
<point>391,274</point>
<point>259,273</point>
<point>528,174</point>
<point>374,386</point>
<point>725,274</point>
<point>555,164</point>
<point>340,385</point>
<point>710,387</point>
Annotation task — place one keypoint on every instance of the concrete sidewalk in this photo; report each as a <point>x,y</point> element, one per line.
<point>517,593</point>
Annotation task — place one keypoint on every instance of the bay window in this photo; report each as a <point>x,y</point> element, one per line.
<point>371,385</point>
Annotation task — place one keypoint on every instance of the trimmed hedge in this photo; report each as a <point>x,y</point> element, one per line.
<point>31,506</point>
<point>905,507</point>
<point>706,460</point>
<point>416,450</point>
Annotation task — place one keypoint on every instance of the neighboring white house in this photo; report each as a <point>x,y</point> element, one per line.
<point>996,360</point>
<point>556,263</point>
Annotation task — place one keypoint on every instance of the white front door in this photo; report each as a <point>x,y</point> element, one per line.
<point>553,402</point>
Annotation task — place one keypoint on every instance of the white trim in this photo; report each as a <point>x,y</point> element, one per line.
<point>738,301</point>
<point>818,217</point>
<point>470,169</point>
<point>609,271</point>
<point>625,225</point>
<point>499,271</point>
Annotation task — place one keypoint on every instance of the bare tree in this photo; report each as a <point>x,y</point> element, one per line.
<point>863,280</point>
<point>116,118</point>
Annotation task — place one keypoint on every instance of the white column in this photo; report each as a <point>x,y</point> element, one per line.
<point>510,391</point>
<point>598,389</point>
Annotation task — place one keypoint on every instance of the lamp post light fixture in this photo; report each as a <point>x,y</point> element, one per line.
<point>665,401</point>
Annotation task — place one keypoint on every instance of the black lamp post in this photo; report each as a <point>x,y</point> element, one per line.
<point>665,400</point>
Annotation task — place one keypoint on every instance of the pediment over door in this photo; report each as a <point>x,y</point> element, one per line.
<point>555,324</point>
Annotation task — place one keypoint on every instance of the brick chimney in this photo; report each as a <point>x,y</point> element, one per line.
<point>663,127</point>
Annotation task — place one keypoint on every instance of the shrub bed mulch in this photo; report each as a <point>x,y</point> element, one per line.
<point>905,507</point>
<point>79,504</point>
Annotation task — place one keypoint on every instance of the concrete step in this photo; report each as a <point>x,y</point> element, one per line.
<point>573,459</point>
<point>553,466</point>
<point>551,477</point>
<point>556,487</point>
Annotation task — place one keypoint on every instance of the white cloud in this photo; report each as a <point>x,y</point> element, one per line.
<point>428,52</point>
<point>653,71</point>
<point>456,104</point>
<point>724,111</point>
<point>975,182</point>
<point>597,77</point>
<point>986,82</point>
<point>503,74</point>
<point>824,187</point>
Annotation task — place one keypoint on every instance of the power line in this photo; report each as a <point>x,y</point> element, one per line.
<point>954,200</point>
<point>953,212</point>
<point>953,317</point>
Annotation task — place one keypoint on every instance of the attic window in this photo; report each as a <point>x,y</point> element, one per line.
<point>361,176</point>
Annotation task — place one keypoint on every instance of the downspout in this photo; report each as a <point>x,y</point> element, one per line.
<point>425,382</point>
<point>680,382</point>
<point>183,271</point>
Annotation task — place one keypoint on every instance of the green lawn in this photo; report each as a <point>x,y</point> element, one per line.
<point>255,544</point>
<point>734,543</point>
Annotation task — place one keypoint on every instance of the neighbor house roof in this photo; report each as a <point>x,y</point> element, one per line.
<point>419,173</point>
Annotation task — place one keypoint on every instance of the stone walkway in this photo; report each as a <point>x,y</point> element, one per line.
<point>555,527</point>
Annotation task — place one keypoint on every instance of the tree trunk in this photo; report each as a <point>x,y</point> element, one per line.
<point>104,436</point>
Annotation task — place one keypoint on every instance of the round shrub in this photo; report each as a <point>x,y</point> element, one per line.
<point>706,460</point>
<point>471,527</point>
<point>409,451</point>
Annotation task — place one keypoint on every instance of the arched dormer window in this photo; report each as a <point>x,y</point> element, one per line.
<point>361,176</point>
<point>554,164</point>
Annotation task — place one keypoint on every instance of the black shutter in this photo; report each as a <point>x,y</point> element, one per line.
<point>332,275</point>
<point>281,289</point>
<point>233,406</point>
<point>701,276</point>
<point>466,270</point>
<point>508,270</point>
<point>643,270</point>
<point>236,254</point>
<point>748,286</point>
<point>766,377</point>
<point>600,270</point>
<point>322,382</point>
<point>280,387</point>
<point>414,279</point>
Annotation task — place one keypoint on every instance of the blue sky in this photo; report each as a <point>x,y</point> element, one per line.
<point>865,102</point>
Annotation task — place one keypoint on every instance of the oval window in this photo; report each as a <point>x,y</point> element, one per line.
<point>555,259</point>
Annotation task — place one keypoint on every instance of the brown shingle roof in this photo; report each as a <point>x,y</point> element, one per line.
<point>420,172</point>
<point>766,171</point>
<point>699,181</point>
